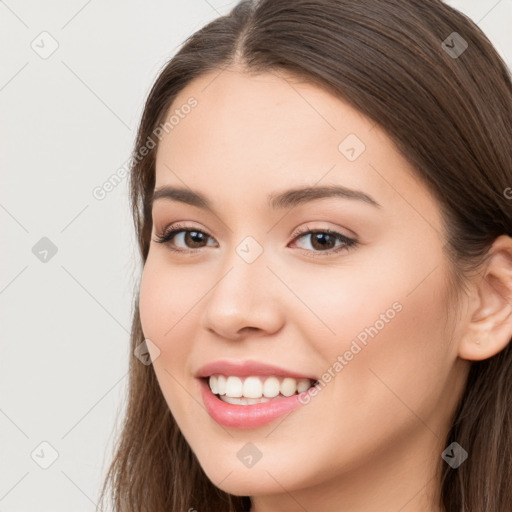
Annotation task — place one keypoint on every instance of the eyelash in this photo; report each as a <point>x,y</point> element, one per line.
<point>173,230</point>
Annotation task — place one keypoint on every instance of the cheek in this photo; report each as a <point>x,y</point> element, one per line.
<point>396,355</point>
<point>166,315</point>
<point>163,299</point>
<point>390,345</point>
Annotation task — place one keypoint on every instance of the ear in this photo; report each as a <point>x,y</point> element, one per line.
<point>489,327</point>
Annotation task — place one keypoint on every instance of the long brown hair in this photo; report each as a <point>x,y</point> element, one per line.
<point>448,109</point>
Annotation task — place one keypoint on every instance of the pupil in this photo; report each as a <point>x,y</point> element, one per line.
<point>322,238</point>
<point>195,236</point>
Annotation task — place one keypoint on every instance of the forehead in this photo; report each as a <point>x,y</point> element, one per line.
<point>257,123</point>
<point>256,134</point>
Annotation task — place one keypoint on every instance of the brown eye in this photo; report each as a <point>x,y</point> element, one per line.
<point>324,240</point>
<point>188,238</point>
<point>193,239</point>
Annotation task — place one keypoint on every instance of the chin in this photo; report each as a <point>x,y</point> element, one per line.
<point>231,476</point>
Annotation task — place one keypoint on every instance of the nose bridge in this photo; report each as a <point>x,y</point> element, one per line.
<point>240,295</point>
<point>243,274</point>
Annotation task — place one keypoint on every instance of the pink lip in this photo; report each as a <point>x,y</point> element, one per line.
<point>247,368</point>
<point>246,416</point>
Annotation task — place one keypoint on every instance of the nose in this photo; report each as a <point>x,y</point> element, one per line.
<point>244,299</point>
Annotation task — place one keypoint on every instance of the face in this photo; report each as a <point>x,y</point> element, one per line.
<point>347,289</point>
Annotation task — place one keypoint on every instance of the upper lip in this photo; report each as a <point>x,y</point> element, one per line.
<point>246,369</point>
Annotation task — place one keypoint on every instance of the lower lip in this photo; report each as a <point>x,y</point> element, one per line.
<point>246,416</point>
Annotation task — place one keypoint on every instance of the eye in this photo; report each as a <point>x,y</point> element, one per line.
<point>323,241</point>
<point>194,237</point>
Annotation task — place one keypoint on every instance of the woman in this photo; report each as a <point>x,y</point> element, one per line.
<point>321,193</point>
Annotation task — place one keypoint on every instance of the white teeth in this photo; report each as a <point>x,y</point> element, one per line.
<point>288,386</point>
<point>244,401</point>
<point>221,385</point>
<point>271,387</point>
<point>213,384</point>
<point>303,385</point>
<point>255,387</point>
<point>234,387</point>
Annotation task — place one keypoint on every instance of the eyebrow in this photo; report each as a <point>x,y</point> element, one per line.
<point>282,200</point>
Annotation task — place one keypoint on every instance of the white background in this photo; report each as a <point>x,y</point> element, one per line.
<point>68,123</point>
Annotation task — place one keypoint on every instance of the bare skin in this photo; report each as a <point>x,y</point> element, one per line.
<point>372,438</point>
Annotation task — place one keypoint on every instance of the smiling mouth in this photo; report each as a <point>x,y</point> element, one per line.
<point>256,389</point>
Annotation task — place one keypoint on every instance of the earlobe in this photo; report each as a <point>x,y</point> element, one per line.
<point>489,328</point>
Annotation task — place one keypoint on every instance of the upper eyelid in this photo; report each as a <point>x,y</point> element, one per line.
<point>177,227</point>
<point>296,233</point>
